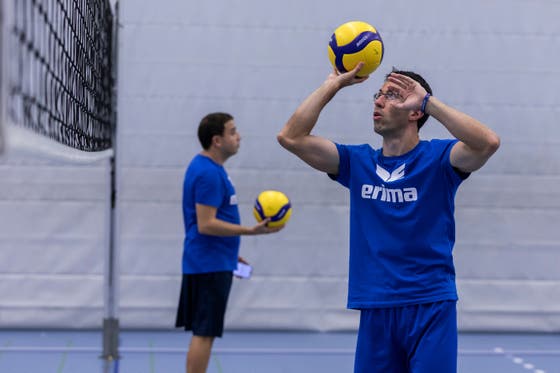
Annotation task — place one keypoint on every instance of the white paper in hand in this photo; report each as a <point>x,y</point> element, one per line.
<point>243,270</point>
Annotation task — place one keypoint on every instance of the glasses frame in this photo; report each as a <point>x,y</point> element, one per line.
<point>389,95</point>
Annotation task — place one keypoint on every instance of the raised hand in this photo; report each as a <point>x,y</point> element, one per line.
<point>348,78</point>
<point>411,91</point>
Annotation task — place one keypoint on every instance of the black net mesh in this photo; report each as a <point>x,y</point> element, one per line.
<point>60,71</point>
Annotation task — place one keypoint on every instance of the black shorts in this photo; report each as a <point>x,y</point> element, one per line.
<point>202,304</point>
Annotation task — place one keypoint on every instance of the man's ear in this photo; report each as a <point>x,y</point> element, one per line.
<point>216,141</point>
<point>415,115</point>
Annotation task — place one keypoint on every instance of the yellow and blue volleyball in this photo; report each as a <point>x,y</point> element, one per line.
<point>355,42</point>
<point>274,205</point>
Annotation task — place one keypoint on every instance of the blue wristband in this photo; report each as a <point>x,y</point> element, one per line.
<point>425,102</point>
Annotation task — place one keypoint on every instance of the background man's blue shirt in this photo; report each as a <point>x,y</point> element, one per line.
<point>207,183</point>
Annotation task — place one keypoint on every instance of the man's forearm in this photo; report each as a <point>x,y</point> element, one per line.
<point>306,115</point>
<point>462,126</point>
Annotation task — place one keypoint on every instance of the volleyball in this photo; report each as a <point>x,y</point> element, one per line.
<point>274,205</point>
<point>355,42</point>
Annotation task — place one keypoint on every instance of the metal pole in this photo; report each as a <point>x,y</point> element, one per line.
<point>110,320</point>
<point>3,91</point>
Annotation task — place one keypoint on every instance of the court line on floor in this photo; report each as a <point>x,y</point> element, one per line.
<point>64,357</point>
<point>218,363</point>
<point>512,355</point>
<point>152,358</point>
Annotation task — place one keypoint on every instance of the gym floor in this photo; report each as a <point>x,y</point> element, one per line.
<point>63,351</point>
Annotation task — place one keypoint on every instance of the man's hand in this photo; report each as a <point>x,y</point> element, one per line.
<point>411,91</point>
<point>262,228</point>
<point>348,78</point>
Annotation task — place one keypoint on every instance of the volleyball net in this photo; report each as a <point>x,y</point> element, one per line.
<point>57,77</point>
<point>57,100</point>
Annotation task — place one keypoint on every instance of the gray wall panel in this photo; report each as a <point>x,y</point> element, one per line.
<point>258,60</point>
<point>178,60</point>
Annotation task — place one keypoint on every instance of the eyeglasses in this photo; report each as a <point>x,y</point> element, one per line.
<point>389,95</point>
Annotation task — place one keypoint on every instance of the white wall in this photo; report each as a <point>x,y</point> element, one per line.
<point>498,60</point>
<point>53,234</point>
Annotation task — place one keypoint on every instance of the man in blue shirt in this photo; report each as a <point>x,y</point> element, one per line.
<point>212,230</point>
<point>402,229</point>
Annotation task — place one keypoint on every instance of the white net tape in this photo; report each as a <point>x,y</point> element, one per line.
<point>21,142</point>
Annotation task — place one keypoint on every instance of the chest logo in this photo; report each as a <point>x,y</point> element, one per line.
<point>389,177</point>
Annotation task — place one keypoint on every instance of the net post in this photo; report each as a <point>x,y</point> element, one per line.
<point>110,339</point>
<point>3,95</point>
<point>111,321</point>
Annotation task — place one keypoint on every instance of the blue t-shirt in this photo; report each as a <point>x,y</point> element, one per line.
<point>402,228</point>
<point>207,183</point>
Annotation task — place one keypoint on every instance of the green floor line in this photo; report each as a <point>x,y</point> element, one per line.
<point>218,364</point>
<point>152,358</point>
<point>64,357</point>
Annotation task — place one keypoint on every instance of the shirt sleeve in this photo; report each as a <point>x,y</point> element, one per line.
<point>209,189</point>
<point>343,176</point>
<point>455,175</point>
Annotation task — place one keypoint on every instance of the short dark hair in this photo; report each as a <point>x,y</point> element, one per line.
<point>211,125</point>
<point>423,83</point>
